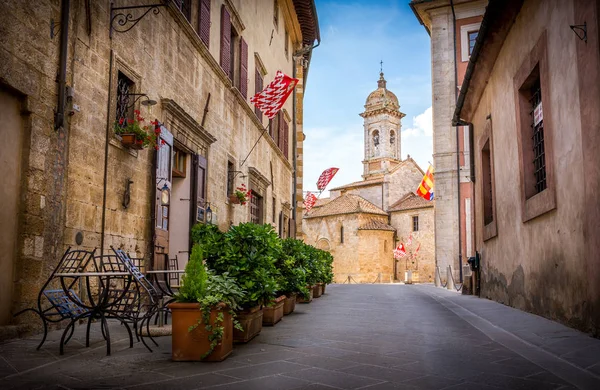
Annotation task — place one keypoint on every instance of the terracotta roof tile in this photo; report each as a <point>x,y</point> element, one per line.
<point>374,224</point>
<point>360,183</point>
<point>346,204</point>
<point>411,201</point>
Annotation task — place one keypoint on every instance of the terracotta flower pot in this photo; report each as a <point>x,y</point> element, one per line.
<point>251,322</point>
<point>274,313</point>
<point>191,346</point>
<point>324,285</point>
<point>306,299</point>
<point>130,141</point>
<point>289,304</point>
<point>234,199</point>
<point>317,291</point>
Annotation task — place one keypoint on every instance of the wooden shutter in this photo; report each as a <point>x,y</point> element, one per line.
<point>226,41</point>
<point>243,67</point>
<point>285,137</point>
<point>199,186</point>
<point>258,86</point>
<point>280,130</point>
<point>204,21</point>
<point>163,161</point>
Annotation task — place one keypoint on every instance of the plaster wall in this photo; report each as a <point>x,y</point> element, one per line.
<point>376,259</point>
<point>402,181</point>
<point>550,276</point>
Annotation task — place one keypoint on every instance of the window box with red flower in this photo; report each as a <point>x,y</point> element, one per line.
<point>135,134</point>
<point>241,195</point>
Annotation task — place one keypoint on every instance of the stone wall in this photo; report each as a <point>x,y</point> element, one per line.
<point>423,263</point>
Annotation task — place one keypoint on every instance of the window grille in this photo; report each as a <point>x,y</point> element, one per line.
<point>124,88</point>
<point>255,208</point>
<point>537,124</point>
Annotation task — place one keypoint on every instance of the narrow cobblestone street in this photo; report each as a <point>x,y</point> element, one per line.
<point>354,336</point>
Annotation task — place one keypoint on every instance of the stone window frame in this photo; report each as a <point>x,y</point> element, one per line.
<point>534,205</point>
<point>120,65</point>
<point>258,184</point>
<point>464,39</point>
<point>490,229</point>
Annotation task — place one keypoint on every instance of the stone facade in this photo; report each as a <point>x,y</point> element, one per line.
<point>376,214</point>
<point>539,252</point>
<point>80,187</point>
<point>450,24</point>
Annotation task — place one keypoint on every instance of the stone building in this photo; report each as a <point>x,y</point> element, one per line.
<point>363,222</point>
<point>453,26</point>
<point>533,101</point>
<point>190,65</point>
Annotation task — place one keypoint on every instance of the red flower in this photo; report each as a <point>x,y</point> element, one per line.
<point>162,142</point>
<point>130,121</point>
<point>136,112</point>
<point>121,121</point>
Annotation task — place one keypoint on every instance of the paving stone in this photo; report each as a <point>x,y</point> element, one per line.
<point>334,378</point>
<point>275,382</point>
<point>513,383</point>
<point>186,383</point>
<point>265,369</point>
<point>324,362</point>
<point>384,374</point>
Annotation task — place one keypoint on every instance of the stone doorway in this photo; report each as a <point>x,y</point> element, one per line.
<point>11,148</point>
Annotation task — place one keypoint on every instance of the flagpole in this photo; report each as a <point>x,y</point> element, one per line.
<point>256,143</point>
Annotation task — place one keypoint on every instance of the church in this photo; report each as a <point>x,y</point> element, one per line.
<point>361,223</point>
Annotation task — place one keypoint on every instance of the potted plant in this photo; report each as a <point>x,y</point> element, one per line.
<point>241,195</point>
<point>248,255</point>
<point>203,316</point>
<point>273,311</point>
<point>134,134</point>
<point>292,275</point>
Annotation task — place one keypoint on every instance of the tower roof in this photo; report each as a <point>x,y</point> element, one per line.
<point>381,97</point>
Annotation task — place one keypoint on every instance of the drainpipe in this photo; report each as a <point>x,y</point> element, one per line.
<point>107,138</point>
<point>59,114</point>
<point>457,144</point>
<point>294,151</point>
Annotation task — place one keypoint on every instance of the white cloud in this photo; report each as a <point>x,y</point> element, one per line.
<point>422,125</point>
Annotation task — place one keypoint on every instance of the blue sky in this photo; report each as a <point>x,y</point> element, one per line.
<point>355,37</point>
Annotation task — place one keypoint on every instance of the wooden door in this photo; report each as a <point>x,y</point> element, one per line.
<point>164,161</point>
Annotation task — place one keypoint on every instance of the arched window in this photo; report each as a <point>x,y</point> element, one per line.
<point>392,137</point>
<point>341,234</point>
<point>376,138</point>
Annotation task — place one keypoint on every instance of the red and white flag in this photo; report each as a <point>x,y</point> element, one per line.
<point>409,242</point>
<point>271,99</point>
<point>399,252</point>
<point>326,177</point>
<point>309,201</point>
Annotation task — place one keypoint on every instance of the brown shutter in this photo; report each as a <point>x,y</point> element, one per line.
<point>243,67</point>
<point>280,130</point>
<point>226,41</point>
<point>199,187</point>
<point>285,137</point>
<point>204,21</point>
<point>258,86</point>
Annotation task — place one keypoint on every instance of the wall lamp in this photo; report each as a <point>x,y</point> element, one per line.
<point>147,102</point>
<point>165,195</point>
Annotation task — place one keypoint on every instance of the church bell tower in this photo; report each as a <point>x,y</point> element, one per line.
<point>382,124</point>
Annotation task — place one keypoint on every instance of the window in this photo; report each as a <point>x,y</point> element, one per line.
<point>256,208</point>
<point>226,51</point>
<point>258,86</point>
<point>487,181</point>
<point>204,21</point>
<point>468,36</point>
<point>275,13</point>
<point>274,209</point>
<point>341,234</point>
<point>392,137</point>
<point>415,221</point>
<point>234,59</point>
<point>279,131</point>
<point>287,44</point>
<point>534,130</point>
<point>185,6</point>
<point>124,87</point>
<point>179,163</point>
<point>230,176</point>
<point>472,36</point>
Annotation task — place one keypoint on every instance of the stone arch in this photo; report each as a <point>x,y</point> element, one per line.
<point>324,244</point>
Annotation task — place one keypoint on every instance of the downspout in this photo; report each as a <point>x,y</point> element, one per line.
<point>59,114</point>
<point>457,145</point>
<point>106,142</point>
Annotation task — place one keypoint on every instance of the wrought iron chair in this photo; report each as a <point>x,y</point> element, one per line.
<point>55,305</point>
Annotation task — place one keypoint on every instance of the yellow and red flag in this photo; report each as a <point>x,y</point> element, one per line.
<point>425,189</point>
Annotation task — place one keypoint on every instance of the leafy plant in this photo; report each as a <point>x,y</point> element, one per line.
<point>212,292</point>
<point>210,239</point>
<point>248,255</point>
<point>146,134</point>
<point>292,273</point>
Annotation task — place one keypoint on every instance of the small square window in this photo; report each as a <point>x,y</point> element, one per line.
<point>179,163</point>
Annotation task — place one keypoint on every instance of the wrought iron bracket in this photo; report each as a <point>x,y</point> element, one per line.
<point>580,30</point>
<point>123,20</point>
